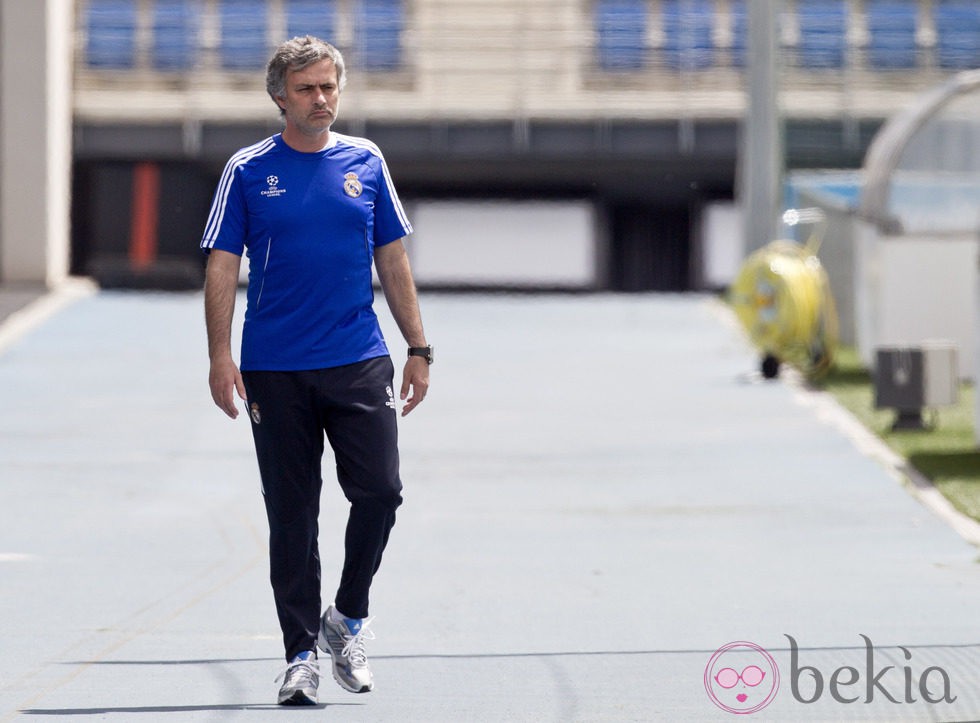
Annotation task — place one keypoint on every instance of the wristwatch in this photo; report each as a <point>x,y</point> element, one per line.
<point>422,351</point>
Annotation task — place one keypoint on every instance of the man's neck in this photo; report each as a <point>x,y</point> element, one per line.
<point>305,143</point>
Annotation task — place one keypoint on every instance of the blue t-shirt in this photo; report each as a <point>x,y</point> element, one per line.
<point>309,223</point>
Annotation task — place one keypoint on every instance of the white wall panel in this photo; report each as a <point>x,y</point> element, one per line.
<point>507,243</point>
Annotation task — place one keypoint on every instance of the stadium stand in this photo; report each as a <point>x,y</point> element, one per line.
<point>175,26</point>
<point>621,29</point>
<point>557,56</point>
<point>958,34</point>
<point>823,34</point>
<point>244,45</point>
<point>672,36</point>
<point>688,30</point>
<point>891,30</point>
<point>311,17</point>
<point>110,34</point>
<point>740,33</point>
<point>378,34</point>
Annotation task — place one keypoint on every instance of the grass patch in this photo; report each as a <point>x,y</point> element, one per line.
<point>946,453</point>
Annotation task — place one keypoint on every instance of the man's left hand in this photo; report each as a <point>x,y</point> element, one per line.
<point>415,383</point>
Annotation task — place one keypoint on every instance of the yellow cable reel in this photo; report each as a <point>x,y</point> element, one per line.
<point>782,298</point>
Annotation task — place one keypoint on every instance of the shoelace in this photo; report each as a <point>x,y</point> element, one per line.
<point>306,670</point>
<point>353,648</point>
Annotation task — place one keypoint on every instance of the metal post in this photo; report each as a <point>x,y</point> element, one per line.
<point>761,163</point>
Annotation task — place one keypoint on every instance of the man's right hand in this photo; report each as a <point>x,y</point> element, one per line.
<point>225,380</point>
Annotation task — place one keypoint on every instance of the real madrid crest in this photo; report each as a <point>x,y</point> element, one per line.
<point>256,415</point>
<point>352,187</point>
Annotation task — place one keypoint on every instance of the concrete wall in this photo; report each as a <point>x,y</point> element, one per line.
<point>35,140</point>
<point>837,256</point>
<point>915,289</point>
<point>506,243</point>
<point>721,244</point>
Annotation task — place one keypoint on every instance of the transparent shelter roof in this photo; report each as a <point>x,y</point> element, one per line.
<point>922,173</point>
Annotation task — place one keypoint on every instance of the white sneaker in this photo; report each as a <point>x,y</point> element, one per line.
<point>300,680</point>
<point>344,641</point>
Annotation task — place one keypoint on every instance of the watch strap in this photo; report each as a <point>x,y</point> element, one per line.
<point>423,351</point>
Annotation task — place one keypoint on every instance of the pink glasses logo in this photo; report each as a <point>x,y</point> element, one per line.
<point>741,678</point>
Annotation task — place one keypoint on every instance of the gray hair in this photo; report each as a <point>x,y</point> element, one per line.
<point>296,54</point>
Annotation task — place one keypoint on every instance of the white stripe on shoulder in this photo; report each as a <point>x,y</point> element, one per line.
<point>358,142</point>
<point>217,213</point>
<point>372,148</point>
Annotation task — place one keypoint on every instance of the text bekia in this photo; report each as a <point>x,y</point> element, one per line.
<point>847,685</point>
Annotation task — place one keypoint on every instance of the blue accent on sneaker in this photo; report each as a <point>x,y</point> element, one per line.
<point>301,678</point>
<point>343,638</point>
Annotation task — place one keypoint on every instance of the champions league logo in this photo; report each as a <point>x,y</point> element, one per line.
<point>273,190</point>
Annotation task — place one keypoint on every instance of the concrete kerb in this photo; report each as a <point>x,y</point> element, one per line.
<point>831,412</point>
<point>36,312</point>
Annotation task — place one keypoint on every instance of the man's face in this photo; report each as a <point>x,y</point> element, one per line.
<point>312,98</point>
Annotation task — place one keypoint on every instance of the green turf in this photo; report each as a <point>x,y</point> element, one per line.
<point>946,453</point>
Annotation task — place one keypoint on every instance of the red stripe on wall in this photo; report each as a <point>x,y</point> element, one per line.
<point>145,219</point>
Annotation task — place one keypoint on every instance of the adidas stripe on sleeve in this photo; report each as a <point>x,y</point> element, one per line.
<point>226,220</point>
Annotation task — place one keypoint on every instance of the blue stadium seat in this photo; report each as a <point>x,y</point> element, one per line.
<point>311,17</point>
<point>891,30</point>
<point>958,34</point>
<point>740,33</point>
<point>175,25</point>
<point>621,27</point>
<point>243,34</point>
<point>110,34</point>
<point>689,34</point>
<point>379,34</point>
<point>823,34</point>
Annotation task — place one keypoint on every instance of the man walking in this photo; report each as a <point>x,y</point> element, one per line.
<point>312,209</point>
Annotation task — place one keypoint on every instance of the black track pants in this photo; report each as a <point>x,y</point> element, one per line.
<point>290,411</point>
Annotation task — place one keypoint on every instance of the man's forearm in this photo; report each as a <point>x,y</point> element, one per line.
<point>395,275</point>
<point>220,288</point>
